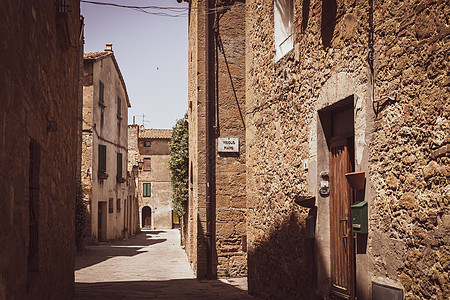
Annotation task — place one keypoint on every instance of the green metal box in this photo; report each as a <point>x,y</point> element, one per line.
<point>360,217</point>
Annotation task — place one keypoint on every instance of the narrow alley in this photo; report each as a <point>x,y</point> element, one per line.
<point>150,265</point>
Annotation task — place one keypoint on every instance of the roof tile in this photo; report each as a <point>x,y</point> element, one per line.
<point>155,133</point>
<point>96,54</point>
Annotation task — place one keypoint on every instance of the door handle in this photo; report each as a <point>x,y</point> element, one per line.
<point>345,226</point>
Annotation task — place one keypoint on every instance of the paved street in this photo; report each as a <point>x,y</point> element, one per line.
<point>148,266</point>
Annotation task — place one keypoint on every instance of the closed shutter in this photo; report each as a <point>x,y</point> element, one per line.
<point>147,189</point>
<point>147,164</point>
<point>119,107</point>
<point>119,165</point>
<point>101,92</point>
<point>101,158</point>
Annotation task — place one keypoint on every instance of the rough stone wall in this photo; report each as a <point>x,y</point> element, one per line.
<point>133,179</point>
<point>409,153</point>
<point>86,153</point>
<point>160,200</point>
<point>195,246</point>
<point>402,149</point>
<point>133,150</point>
<point>113,133</point>
<point>39,102</point>
<point>230,203</point>
<point>132,219</point>
<point>231,231</point>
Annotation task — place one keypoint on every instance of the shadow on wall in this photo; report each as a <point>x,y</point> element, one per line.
<point>169,289</point>
<point>305,14</point>
<point>93,255</point>
<point>284,265</point>
<point>328,23</point>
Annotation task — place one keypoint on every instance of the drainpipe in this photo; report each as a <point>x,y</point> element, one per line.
<point>210,137</point>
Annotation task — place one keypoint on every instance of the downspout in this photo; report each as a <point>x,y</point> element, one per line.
<point>210,137</point>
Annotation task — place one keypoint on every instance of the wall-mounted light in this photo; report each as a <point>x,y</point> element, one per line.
<point>141,165</point>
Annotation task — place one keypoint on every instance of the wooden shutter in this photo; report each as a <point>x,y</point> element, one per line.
<point>111,205</point>
<point>147,164</point>
<point>119,165</point>
<point>101,158</point>
<point>101,92</point>
<point>147,189</point>
<point>119,107</point>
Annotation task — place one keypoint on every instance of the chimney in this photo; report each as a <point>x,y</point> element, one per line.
<point>134,120</point>
<point>109,48</point>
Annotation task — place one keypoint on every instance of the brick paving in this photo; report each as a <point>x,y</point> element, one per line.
<point>151,265</point>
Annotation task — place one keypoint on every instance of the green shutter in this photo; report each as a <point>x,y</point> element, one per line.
<point>119,165</point>
<point>147,189</point>
<point>101,92</point>
<point>119,107</point>
<point>101,158</point>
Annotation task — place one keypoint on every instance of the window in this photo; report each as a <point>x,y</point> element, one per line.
<point>147,189</point>
<point>63,7</point>
<point>119,165</point>
<point>101,92</point>
<point>111,205</point>
<point>119,107</point>
<point>118,205</point>
<point>147,164</point>
<point>102,158</point>
<point>284,29</point>
<point>147,144</point>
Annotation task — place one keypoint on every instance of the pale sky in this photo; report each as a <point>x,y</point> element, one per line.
<point>151,52</point>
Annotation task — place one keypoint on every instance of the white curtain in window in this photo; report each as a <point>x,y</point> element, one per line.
<point>284,29</point>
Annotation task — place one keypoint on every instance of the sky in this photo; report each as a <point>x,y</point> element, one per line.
<point>151,51</point>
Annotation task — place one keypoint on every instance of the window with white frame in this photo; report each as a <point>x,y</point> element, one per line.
<point>284,27</point>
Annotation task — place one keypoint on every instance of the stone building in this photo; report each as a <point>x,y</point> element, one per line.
<point>39,112</point>
<point>132,218</point>
<point>104,151</point>
<point>216,215</point>
<point>331,89</point>
<point>337,87</point>
<point>149,151</point>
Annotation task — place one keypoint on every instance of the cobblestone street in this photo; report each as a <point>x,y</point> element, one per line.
<point>148,266</point>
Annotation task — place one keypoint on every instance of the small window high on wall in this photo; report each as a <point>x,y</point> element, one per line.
<point>284,27</point>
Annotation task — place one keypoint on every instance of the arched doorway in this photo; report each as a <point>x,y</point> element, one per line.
<point>146,217</point>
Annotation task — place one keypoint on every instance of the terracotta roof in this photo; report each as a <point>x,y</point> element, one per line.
<point>97,54</point>
<point>155,133</point>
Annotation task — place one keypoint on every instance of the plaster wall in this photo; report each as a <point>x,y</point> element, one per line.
<point>160,200</point>
<point>111,131</point>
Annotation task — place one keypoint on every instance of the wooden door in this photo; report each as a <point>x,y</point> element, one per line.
<point>341,197</point>
<point>101,221</point>
<point>146,217</point>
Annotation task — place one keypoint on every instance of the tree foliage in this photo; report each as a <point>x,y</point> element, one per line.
<point>179,165</point>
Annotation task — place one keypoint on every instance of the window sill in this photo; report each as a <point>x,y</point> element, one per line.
<point>121,179</point>
<point>102,175</point>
